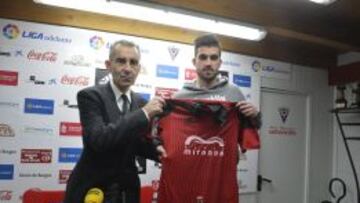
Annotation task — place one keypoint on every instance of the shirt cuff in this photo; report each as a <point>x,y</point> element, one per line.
<point>146,114</point>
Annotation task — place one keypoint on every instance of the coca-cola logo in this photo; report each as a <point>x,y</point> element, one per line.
<point>70,129</point>
<point>42,56</point>
<point>8,78</point>
<point>75,80</point>
<point>36,155</point>
<point>5,195</point>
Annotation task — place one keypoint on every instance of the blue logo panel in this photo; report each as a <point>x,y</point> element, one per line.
<point>145,96</point>
<point>165,71</point>
<point>69,155</point>
<point>39,106</point>
<point>6,171</point>
<point>242,80</point>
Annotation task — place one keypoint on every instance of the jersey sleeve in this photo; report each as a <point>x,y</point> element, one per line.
<point>248,135</point>
<point>154,132</point>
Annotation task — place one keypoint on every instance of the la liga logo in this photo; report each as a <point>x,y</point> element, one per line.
<point>256,66</point>
<point>11,31</point>
<point>96,42</point>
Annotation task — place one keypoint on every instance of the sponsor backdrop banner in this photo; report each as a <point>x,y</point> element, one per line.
<point>42,67</point>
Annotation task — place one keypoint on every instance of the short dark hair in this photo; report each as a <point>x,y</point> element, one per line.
<point>207,40</point>
<point>125,43</point>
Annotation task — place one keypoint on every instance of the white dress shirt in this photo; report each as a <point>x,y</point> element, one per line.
<point>118,93</point>
<point>119,101</point>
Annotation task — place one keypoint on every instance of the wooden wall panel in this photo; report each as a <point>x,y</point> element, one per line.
<point>271,47</point>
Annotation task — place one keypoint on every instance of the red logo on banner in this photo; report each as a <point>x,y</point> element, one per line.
<point>164,92</point>
<point>5,195</point>
<point>70,129</point>
<point>76,80</point>
<point>36,155</point>
<point>8,78</point>
<point>64,176</point>
<point>45,56</point>
<point>190,74</point>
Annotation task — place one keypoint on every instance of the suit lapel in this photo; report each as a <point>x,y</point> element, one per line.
<point>134,102</point>
<point>110,103</point>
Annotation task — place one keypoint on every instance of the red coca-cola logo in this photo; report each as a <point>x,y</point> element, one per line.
<point>75,80</point>
<point>42,56</point>
<point>5,195</point>
<point>36,155</point>
<point>70,129</point>
<point>8,78</point>
<point>165,92</point>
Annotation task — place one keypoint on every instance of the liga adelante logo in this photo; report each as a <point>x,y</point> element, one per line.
<point>11,31</point>
<point>256,66</point>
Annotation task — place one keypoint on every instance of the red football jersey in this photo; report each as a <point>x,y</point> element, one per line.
<point>201,139</point>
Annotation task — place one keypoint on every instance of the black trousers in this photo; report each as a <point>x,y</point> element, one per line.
<point>115,194</point>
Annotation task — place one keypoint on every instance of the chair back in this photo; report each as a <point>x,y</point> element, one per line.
<point>43,196</point>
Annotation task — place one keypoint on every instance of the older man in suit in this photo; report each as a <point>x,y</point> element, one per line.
<point>113,118</point>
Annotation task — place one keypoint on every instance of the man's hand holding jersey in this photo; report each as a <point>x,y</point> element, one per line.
<point>250,111</point>
<point>247,108</point>
<point>162,152</point>
<point>154,107</point>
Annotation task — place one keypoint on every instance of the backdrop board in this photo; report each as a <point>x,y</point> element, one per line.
<point>42,67</point>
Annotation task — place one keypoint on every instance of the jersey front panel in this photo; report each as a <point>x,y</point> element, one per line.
<point>202,157</point>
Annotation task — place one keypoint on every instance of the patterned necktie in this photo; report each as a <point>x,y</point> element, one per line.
<point>125,104</point>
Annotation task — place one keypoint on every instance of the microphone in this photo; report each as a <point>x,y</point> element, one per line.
<point>94,195</point>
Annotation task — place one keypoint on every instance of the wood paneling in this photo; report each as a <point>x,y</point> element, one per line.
<point>273,46</point>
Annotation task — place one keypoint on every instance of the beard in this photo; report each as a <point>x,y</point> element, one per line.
<point>208,74</point>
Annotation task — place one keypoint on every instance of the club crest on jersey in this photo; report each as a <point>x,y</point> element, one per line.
<point>173,51</point>
<point>196,146</point>
<point>284,113</point>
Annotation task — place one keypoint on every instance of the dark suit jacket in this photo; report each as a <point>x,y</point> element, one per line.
<point>111,141</point>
